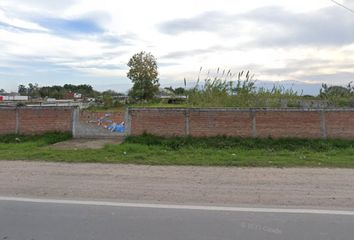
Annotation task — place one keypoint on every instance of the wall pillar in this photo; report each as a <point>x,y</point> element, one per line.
<point>17,130</point>
<point>254,124</point>
<point>323,127</point>
<point>128,122</point>
<point>187,120</point>
<point>75,118</point>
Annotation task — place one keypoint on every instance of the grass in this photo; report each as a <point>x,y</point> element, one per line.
<point>216,151</point>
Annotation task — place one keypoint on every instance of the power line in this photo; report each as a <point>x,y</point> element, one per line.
<point>343,6</point>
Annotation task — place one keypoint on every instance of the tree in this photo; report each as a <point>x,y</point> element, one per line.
<point>144,75</point>
<point>33,90</point>
<point>22,90</point>
<point>336,91</point>
<point>180,91</point>
<point>177,91</point>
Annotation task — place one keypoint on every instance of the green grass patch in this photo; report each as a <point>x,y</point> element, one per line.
<point>214,151</point>
<point>38,140</point>
<point>224,142</point>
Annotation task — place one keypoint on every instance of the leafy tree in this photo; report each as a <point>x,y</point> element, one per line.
<point>336,91</point>
<point>109,98</point>
<point>33,90</point>
<point>180,91</point>
<point>112,93</point>
<point>177,91</point>
<point>2,91</point>
<point>84,89</point>
<point>22,90</point>
<point>59,92</point>
<point>144,75</point>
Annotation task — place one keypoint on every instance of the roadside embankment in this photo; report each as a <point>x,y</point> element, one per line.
<point>300,187</point>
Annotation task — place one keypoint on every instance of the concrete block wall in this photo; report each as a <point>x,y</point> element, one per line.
<point>276,123</point>
<point>35,120</point>
<point>92,117</point>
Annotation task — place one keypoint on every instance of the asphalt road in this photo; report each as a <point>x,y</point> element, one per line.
<point>21,220</point>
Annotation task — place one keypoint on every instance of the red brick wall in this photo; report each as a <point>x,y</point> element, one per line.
<point>288,124</point>
<point>163,122</point>
<point>340,124</point>
<point>275,123</point>
<point>7,121</point>
<point>211,123</point>
<point>195,122</point>
<point>35,120</point>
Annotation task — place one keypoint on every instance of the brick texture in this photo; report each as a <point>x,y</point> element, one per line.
<point>340,125</point>
<point>162,122</point>
<point>7,121</point>
<point>288,124</point>
<point>276,123</point>
<point>211,123</point>
<point>35,120</point>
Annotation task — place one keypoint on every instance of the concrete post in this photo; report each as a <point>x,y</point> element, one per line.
<point>323,127</point>
<point>17,130</point>
<point>128,122</point>
<point>75,121</point>
<point>186,118</point>
<point>254,123</point>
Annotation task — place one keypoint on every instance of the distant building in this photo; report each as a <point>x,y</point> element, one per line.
<point>174,99</point>
<point>77,95</point>
<point>13,98</point>
<point>71,95</point>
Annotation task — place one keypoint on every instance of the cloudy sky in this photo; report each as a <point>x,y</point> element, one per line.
<point>49,42</point>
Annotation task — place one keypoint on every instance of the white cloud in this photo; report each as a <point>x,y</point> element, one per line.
<point>15,22</point>
<point>132,26</point>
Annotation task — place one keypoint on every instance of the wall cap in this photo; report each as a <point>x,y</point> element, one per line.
<point>243,109</point>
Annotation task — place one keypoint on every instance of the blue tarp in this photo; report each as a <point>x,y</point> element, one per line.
<point>117,128</point>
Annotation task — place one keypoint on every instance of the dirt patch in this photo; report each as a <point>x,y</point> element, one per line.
<point>75,144</point>
<point>316,188</point>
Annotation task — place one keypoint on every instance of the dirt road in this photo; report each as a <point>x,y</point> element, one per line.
<point>318,188</point>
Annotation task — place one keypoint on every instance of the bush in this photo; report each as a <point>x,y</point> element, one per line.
<point>47,138</point>
<point>224,142</point>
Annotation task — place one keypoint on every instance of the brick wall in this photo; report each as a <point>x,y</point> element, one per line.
<point>7,121</point>
<point>277,123</point>
<point>337,123</point>
<point>211,123</point>
<point>35,120</point>
<point>297,124</point>
<point>158,122</point>
<point>340,124</point>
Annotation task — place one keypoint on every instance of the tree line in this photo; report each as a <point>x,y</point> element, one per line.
<point>58,92</point>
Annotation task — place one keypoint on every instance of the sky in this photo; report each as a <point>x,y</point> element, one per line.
<point>299,44</point>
